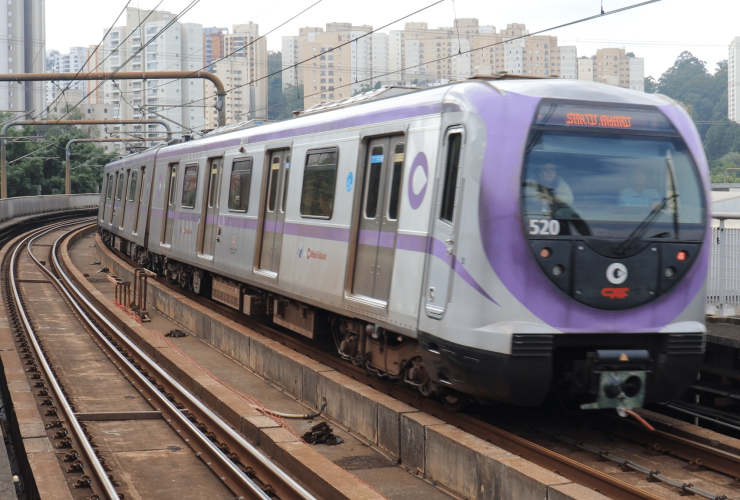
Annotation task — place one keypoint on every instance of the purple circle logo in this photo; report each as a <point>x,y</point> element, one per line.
<point>418,180</point>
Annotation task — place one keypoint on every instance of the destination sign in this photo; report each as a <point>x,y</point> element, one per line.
<point>602,117</point>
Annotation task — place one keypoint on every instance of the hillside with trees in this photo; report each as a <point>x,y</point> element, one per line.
<point>704,94</point>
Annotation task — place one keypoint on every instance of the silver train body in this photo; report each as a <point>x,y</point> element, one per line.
<point>401,226</point>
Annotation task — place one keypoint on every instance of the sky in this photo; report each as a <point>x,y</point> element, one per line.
<point>659,32</point>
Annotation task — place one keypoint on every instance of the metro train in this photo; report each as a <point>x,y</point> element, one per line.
<point>505,239</point>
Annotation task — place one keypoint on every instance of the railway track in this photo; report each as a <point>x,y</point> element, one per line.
<point>239,465</point>
<point>691,452</point>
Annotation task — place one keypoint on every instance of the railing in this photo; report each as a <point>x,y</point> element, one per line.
<point>723,284</point>
<point>32,205</point>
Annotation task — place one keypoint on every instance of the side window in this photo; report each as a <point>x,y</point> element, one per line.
<point>212,182</point>
<point>172,188</point>
<point>396,177</point>
<point>119,191</point>
<point>454,143</point>
<point>110,186</point>
<point>373,182</point>
<point>132,186</point>
<point>274,176</point>
<point>241,181</point>
<point>189,186</point>
<point>319,181</point>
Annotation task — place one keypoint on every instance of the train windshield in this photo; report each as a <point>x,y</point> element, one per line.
<point>611,186</point>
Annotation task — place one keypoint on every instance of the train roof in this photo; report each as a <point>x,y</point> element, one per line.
<point>406,105</point>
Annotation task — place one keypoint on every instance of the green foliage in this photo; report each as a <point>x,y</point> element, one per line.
<point>367,87</point>
<point>704,96</point>
<point>718,168</point>
<point>36,157</point>
<point>282,101</point>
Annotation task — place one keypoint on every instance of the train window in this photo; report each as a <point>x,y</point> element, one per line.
<point>119,191</point>
<point>274,176</point>
<point>110,186</point>
<point>241,181</point>
<point>319,181</point>
<point>172,190</point>
<point>189,186</point>
<point>212,183</point>
<point>395,197</point>
<point>454,143</point>
<point>373,182</point>
<point>285,184</point>
<point>132,186</point>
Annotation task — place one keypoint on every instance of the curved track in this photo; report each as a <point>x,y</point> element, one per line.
<point>242,468</point>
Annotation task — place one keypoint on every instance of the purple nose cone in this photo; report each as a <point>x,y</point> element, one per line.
<point>507,121</point>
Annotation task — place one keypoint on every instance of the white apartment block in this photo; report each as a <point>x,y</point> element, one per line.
<point>72,62</point>
<point>586,69</point>
<point>23,32</point>
<point>178,48</point>
<point>243,68</point>
<point>733,84</point>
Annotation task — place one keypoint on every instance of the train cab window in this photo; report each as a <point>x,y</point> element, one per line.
<point>454,144</point>
<point>319,182</point>
<point>189,186</point>
<point>373,182</point>
<point>119,191</point>
<point>285,184</point>
<point>241,181</point>
<point>110,186</point>
<point>274,176</point>
<point>132,186</point>
<point>396,177</point>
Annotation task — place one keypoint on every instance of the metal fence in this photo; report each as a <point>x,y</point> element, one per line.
<point>723,284</point>
<point>33,205</point>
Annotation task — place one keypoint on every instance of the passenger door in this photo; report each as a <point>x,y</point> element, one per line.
<point>272,229</point>
<point>440,264</point>
<point>108,203</point>
<point>170,205</point>
<point>140,195</point>
<point>378,218</point>
<point>129,194</point>
<point>212,230</point>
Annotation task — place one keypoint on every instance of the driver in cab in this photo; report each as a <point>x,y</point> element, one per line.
<point>549,189</point>
<point>638,194</point>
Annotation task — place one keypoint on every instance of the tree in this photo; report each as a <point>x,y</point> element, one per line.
<point>36,157</point>
<point>651,86</point>
<point>282,99</point>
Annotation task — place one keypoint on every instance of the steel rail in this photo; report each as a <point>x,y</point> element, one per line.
<point>570,469</point>
<point>101,483</point>
<point>219,458</point>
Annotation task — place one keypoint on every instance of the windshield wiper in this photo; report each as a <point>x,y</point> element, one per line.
<point>642,228</point>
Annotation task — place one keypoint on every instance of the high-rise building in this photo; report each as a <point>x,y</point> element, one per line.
<point>615,67</point>
<point>23,32</point>
<point>242,67</point>
<point>67,63</point>
<point>178,48</point>
<point>213,41</point>
<point>733,84</point>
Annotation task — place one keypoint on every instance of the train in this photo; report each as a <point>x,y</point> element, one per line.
<point>519,240</point>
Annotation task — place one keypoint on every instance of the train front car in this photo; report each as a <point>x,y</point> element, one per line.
<point>592,219</point>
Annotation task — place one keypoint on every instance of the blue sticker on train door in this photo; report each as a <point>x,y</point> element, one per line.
<point>350,181</point>
<point>376,159</point>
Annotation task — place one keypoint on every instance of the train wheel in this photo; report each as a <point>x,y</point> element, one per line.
<point>455,401</point>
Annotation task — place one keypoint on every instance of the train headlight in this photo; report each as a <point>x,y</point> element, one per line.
<point>557,270</point>
<point>670,272</point>
<point>545,253</point>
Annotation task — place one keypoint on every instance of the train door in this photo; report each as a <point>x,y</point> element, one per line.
<point>170,205</point>
<point>108,207</point>
<point>378,223</point>
<point>440,264</point>
<point>127,195</point>
<point>140,195</point>
<point>272,229</point>
<point>212,230</point>
<point>119,193</point>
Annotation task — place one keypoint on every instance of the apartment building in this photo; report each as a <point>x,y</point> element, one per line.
<point>213,41</point>
<point>733,84</point>
<point>180,47</point>
<point>73,62</point>
<point>242,67</point>
<point>23,32</point>
<point>614,66</point>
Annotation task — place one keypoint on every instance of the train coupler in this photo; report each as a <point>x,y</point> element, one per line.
<point>619,379</point>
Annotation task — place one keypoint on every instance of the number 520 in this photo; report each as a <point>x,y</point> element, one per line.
<point>544,227</point>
